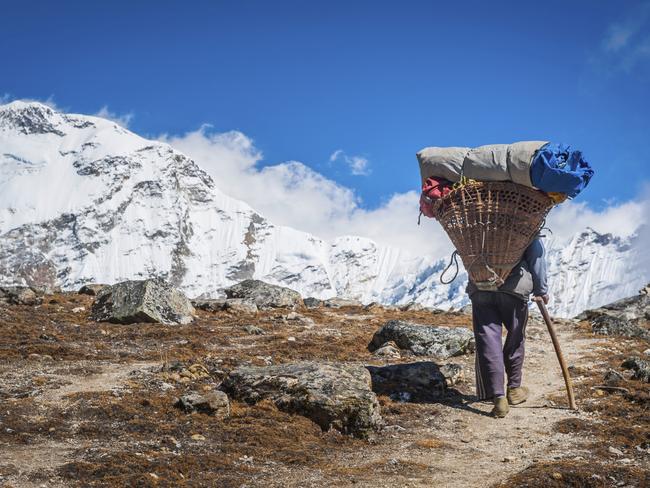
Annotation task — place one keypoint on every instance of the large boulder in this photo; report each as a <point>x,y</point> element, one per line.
<point>264,295</point>
<point>333,395</point>
<point>424,340</point>
<point>20,295</point>
<point>152,300</point>
<point>415,382</point>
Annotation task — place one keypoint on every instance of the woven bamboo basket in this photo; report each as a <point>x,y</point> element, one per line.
<point>491,224</point>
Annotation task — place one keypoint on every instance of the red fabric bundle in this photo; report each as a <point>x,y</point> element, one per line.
<point>432,190</point>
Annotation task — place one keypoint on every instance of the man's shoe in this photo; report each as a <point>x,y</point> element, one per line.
<point>517,395</point>
<point>501,407</point>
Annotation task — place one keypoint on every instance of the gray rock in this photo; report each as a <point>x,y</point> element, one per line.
<point>209,305</point>
<point>239,305</point>
<point>311,302</point>
<point>332,395</point>
<point>300,319</point>
<point>265,295</point>
<point>417,382</point>
<point>91,289</point>
<point>413,307</point>
<point>213,403</point>
<point>254,330</point>
<point>612,324</point>
<point>641,368</point>
<point>337,302</point>
<point>424,340</point>
<point>453,373</point>
<point>388,350</point>
<point>152,300</point>
<point>20,295</point>
<point>613,378</point>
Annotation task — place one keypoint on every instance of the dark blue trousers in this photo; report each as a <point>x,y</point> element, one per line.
<point>490,311</point>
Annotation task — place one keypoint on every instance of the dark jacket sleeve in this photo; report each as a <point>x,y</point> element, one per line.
<point>535,256</point>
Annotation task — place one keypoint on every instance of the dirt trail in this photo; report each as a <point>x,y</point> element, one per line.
<point>485,449</point>
<point>477,450</point>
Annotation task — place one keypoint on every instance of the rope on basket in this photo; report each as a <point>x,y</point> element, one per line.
<point>453,260</point>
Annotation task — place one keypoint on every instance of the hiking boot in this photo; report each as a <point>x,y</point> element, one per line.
<point>501,407</point>
<point>517,395</point>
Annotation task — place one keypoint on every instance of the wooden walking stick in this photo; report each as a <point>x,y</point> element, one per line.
<point>558,351</point>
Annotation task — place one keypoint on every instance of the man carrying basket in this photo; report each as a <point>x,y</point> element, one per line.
<point>492,201</point>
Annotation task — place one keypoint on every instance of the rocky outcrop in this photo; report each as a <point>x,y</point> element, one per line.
<point>333,395</point>
<point>265,295</point>
<point>424,340</point>
<point>151,300</point>
<point>413,382</point>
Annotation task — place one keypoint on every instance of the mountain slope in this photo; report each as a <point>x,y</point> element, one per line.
<point>84,200</point>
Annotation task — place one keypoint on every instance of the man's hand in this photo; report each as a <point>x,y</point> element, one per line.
<point>541,298</point>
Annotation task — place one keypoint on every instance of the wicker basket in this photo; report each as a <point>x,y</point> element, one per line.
<point>491,224</point>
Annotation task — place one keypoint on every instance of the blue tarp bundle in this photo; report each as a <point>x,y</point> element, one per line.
<point>557,168</point>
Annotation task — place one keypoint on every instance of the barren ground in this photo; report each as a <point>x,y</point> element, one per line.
<point>91,404</point>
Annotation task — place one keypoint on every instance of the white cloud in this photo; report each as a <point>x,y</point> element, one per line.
<point>293,194</point>
<point>124,120</point>
<point>358,165</point>
<point>626,43</point>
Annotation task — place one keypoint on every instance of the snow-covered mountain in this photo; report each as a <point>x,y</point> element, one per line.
<point>85,200</point>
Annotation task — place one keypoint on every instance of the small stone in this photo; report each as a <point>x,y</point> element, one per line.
<point>311,302</point>
<point>615,451</point>
<point>154,475</point>
<point>509,459</point>
<point>556,476</point>
<point>296,317</point>
<point>209,305</point>
<point>91,289</point>
<point>197,437</point>
<point>253,330</point>
<point>388,350</point>
<point>240,305</point>
<point>78,309</point>
<point>291,339</point>
<point>613,378</point>
<point>212,403</point>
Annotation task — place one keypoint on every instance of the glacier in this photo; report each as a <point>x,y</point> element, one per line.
<point>84,200</point>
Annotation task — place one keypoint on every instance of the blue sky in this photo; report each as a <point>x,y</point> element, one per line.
<point>376,80</point>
